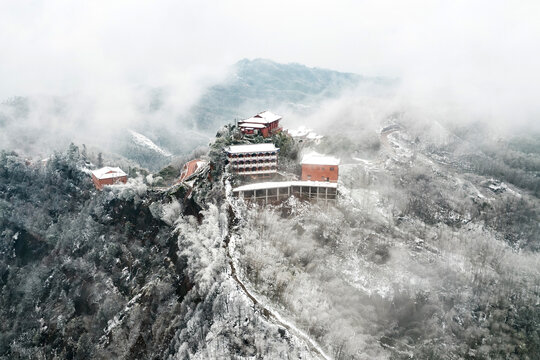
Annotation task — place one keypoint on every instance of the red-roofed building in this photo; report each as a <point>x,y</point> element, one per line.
<point>265,124</point>
<point>108,176</point>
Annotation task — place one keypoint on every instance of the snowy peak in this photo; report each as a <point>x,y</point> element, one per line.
<point>145,142</point>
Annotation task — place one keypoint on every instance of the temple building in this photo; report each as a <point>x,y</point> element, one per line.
<point>317,167</point>
<point>265,124</point>
<point>108,176</point>
<point>260,160</point>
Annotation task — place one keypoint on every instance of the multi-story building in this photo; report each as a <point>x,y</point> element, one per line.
<point>259,160</point>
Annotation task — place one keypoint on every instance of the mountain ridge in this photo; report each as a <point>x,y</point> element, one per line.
<point>251,86</point>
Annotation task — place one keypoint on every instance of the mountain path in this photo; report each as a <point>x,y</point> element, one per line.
<point>269,313</point>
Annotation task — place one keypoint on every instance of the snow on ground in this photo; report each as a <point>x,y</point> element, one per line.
<point>262,301</point>
<point>367,163</point>
<point>143,141</point>
<point>303,132</point>
<point>401,150</point>
<point>513,192</point>
<point>133,187</point>
<point>370,200</point>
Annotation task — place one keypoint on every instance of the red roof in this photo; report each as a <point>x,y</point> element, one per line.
<point>189,168</point>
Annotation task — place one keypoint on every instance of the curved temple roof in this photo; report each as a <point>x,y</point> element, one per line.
<point>264,117</point>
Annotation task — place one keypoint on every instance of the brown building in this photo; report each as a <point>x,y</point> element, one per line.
<point>108,176</point>
<point>254,159</point>
<point>317,167</point>
<point>265,124</point>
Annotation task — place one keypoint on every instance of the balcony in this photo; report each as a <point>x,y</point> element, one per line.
<point>251,158</point>
<point>257,164</point>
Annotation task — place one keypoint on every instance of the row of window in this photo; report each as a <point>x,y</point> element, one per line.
<point>255,168</point>
<point>265,161</point>
<point>313,167</point>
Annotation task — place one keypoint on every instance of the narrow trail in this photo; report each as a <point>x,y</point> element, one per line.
<point>270,314</point>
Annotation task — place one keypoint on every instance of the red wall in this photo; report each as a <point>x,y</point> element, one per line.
<point>320,172</point>
<point>99,184</point>
<point>271,128</point>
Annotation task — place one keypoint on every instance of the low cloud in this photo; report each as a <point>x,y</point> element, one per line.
<point>121,64</point>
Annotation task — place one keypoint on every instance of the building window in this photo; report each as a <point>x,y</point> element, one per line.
<point>309,177</point>
<point>322,168</point>
<point>331,169</point>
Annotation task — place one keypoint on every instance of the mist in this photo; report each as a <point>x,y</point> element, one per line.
<point>426,246</point>
<point>101,65</point>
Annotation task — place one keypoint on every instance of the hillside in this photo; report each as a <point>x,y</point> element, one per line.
<point>426,255</point>
<point>115,274</point>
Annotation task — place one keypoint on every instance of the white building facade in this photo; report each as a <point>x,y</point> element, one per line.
<point>253,160</point>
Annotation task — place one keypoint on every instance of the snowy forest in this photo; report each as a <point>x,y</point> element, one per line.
<point>271,179</point>
<point>431,252</point>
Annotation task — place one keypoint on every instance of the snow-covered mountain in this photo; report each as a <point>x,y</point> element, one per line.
<point>256,85</point>
<point>143,141</point>
<point>431,251</point>
<point>426,255</point>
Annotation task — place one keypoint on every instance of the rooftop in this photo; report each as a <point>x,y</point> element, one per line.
<point>191,167</point>
<point>283,184</point>
<point>251,148</point>
<point>319,159</point>
<point>251,125</point>
<point>264,117</point>
<point>108,172</point>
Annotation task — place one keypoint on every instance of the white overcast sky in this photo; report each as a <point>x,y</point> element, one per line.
<point>478,51</point>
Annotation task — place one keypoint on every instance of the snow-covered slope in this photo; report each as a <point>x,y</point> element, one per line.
<point>145,142</point>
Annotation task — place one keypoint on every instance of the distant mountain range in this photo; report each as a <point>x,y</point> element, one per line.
<point>256,85</point>
<point>41,125</point>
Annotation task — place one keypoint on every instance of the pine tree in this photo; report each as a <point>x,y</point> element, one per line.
<point>100,160</point>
